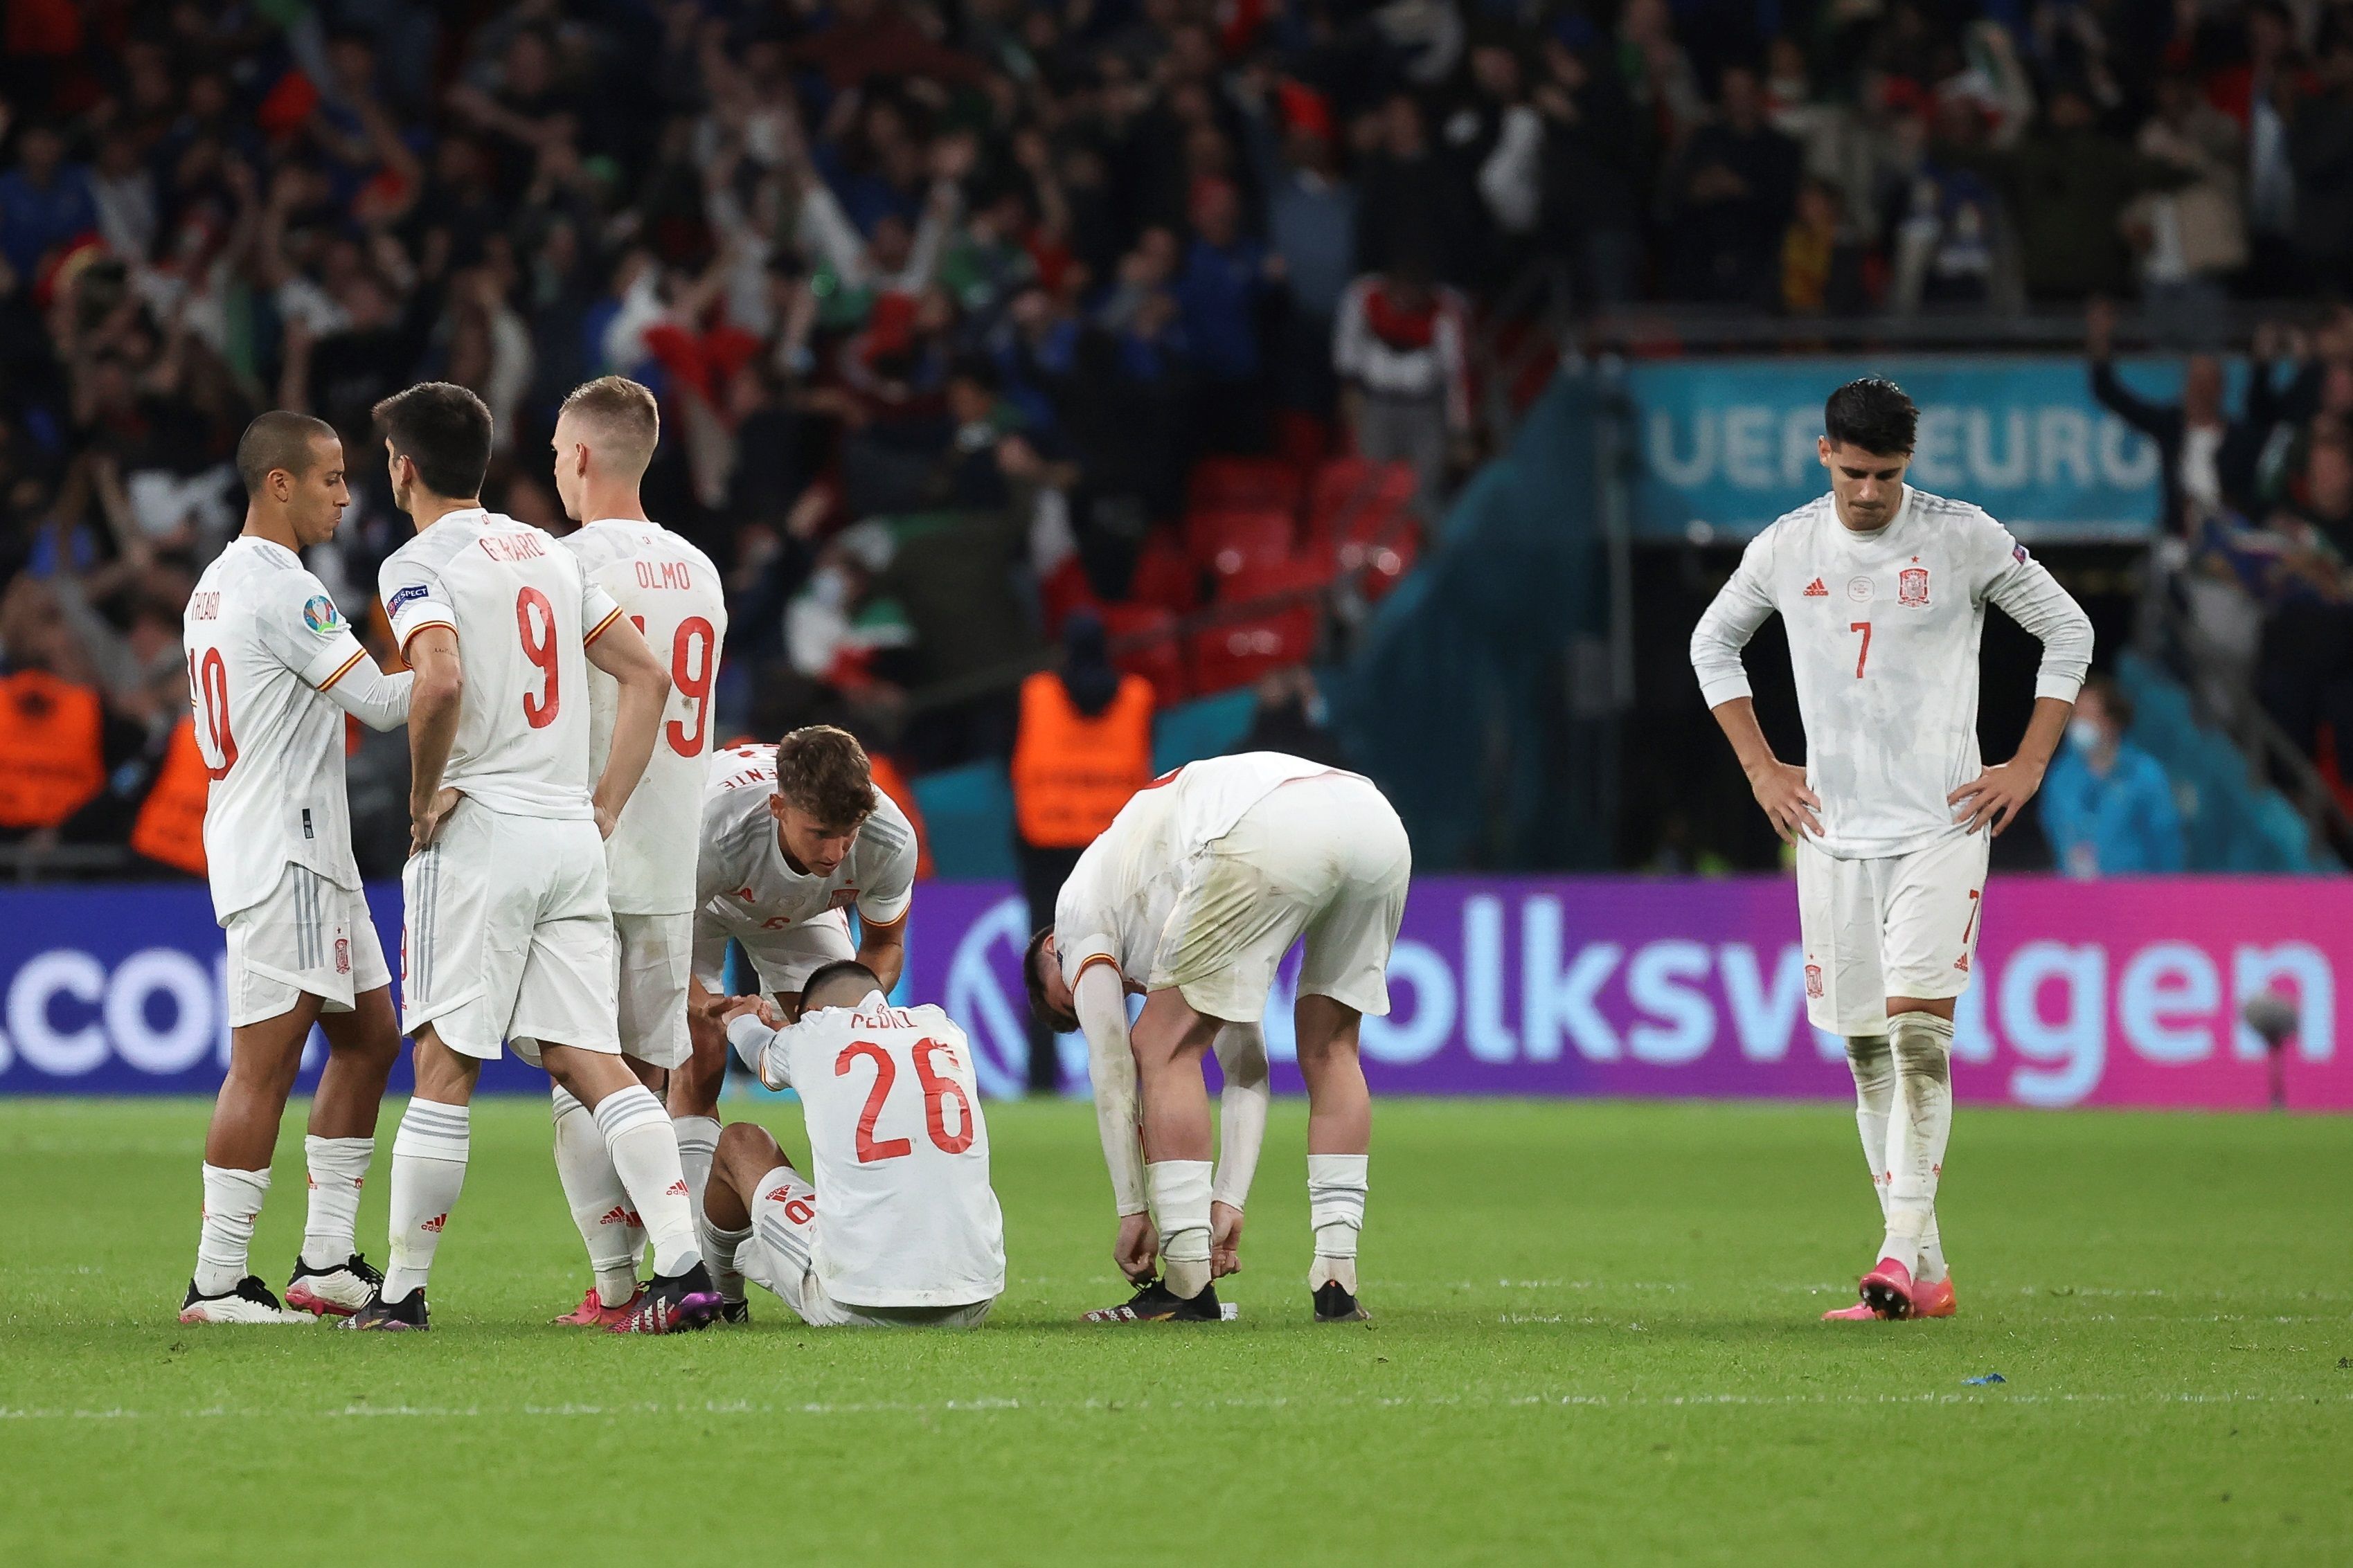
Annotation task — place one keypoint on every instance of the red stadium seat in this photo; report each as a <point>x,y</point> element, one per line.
<point>1062,591</point>
<point>1239,652</point>
<point>1352,495</point>
<point>1377,566</point>
<point>1159,657</point>
<point>1238,484</point>
<point>1230,541</point>
<point>1166,575</point>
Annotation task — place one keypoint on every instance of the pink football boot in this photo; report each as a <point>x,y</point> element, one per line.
<point>1888,1290</point>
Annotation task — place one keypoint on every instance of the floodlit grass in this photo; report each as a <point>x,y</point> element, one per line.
<point>1596,1343</point>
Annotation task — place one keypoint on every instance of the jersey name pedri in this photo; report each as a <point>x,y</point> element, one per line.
<point>672,593</point>
<point>1883,632</point>
<point>743,882</point>
<point>905,1214</point>
<point>525,616</point>
<point>1126,886</point>
<point>264,641</point>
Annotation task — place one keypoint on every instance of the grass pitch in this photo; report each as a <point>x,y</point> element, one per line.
<point>1596,1342</point>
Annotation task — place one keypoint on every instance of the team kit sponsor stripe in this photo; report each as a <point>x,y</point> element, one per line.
<point>599,630</point>
<point>344,669</point>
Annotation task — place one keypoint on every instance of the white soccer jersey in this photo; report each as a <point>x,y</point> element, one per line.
<point>673,591</point>
<point>1883,631</point>
<point>1118,899</point>
<point>525,616</point>
<point>742,880</point>
<point>264,641</point>
<point>905,1214</point>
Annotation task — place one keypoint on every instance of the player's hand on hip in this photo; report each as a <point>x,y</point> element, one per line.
<point>1225,1240</point>
<point>1137,1251</point>
<point>1993,799</point>
<point>424,826</point>
<point>1790,806</point>
<point>605,822</point>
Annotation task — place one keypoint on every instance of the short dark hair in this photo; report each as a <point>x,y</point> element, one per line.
<point>278,439</point>
<point>841,971</point>
<point>1033,977</point>
<point>825,772</point>
<point>2114,698</point>
<point>444,430</point>
<point>1873,413</point>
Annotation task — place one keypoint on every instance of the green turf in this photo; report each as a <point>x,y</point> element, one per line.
<point>1597,1341</point>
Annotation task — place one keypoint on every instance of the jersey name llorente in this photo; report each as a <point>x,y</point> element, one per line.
<point>525,616</point>
<point>1883,632</point>
<point>905,1214</point>
<point>264,640</point>
<point>744,883</point>
<point>671,591</point>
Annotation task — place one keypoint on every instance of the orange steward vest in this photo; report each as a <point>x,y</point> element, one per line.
<point>171,825</point>
<point>52,751</point>
<point>1071,773</point>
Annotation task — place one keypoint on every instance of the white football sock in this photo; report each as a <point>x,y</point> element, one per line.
<point>337,1168</point>
<point>1873,1066</point>
<point>697,1145</point>
<point>1179,1195</point>
<point>1920,1124</point>
<point>719,1249</point>
<point>232,1203</point>
<point>645,1152</point>
<point>429,1172</point>
<point>599,1203</point>
<point>1336,1208</point>
<point>1932,1269</point>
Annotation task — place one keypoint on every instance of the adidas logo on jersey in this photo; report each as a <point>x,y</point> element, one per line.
<point>1816,590</point>
<point>617,1214</point>
<point>779,1195</point>
<point>677,1188</point>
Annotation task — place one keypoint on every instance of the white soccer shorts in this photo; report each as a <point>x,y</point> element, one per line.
<point>654,954</point>
<point>780,1258</point>
<point>783,959</point>
<point>507,936</point>
<point>1903,926</point>
<point>309,935</point>
<point>1325,857</point>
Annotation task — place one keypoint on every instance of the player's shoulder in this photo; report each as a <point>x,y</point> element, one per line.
<point>433,548</point>
<point>1952,515</point>
<point>884,835</point>
<point>1798,523</point>
<point>737,788</point>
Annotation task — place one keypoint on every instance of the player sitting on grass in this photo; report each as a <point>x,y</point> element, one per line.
<point>1884,590</point>
<point>910,1235</point>
<point>1191,897</point>
<point>272,669</point>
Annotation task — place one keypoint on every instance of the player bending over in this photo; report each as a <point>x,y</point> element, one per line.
<point>794,836</point>
<point>272,668</point>
<point>508,933</point>
<point>909,1234</point>
<point>605,436</point>
<point>1191,897</point>
<point>1883,589</point>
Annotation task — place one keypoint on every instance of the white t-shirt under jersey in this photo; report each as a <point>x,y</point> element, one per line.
<point>673,591</point>
<point>525,616</point>
<point>263,641</point>
<point>1119,897</point>
<point>743,882</point>
<point>1883,632</point>
<point>905,1216</point>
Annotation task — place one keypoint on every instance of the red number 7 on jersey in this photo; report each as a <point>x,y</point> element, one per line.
<point>1864,652</point>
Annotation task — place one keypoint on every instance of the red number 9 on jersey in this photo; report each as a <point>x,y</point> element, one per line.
<point>539,712</point>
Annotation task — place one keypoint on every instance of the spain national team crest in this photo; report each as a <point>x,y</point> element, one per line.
<point>1814,981</point>
<point>1912,587</point>
<point>342,955</point>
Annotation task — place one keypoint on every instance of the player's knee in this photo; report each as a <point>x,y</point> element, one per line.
<point>1925,1058</point>
<point>1868,1057</point>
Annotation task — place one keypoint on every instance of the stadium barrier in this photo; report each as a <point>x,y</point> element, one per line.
<point>2116,994</point>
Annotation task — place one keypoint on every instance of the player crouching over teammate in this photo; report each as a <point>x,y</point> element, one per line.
<point>1884,590</point>
<point>1191,897</point>
<point>910,1235</point>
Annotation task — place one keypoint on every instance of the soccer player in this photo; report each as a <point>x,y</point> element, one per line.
<point>272,669</point>
<point>908,1233</point>
<point>1883,589</point>
<point>605,436</point>
<point>1191,897</point>
<point>507,935</point>
<point>794,835</point>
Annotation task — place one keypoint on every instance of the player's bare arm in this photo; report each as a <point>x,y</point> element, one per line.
<point>1779,787</point>
<point>433,714</point>
<point>1099,1004</point>
<point>883,949</point>
<point>1993,799</point>
<point>620,651</point>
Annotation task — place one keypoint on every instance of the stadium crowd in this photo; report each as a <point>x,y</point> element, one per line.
<point>966,317</point>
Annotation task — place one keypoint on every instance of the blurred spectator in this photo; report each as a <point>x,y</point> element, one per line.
<point>1082,747</point>
<point>2107,807</point>
<point>1821,261</point>
<point>1290,717</point>
<point>1401,349</point>
<point>1734,190</point>
<point>2068,184</point>
<point>2192,238</point>
<point>2206,460</point>
<point>2320,151</point>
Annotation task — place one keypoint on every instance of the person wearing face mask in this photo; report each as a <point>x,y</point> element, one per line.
<point>2107,805</point>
